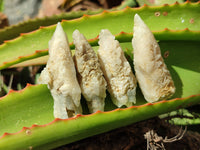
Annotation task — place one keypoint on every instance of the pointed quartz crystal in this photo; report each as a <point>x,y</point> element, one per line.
<point>60,76</point>
<point>90,75</point>
<point>117,70</point>
<point>152,74</point>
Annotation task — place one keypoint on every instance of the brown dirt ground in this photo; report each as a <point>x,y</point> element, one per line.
<point>132,138</point>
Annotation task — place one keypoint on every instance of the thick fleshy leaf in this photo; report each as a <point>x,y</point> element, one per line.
<point>13,31</point>
<point>32,109</point>
<point>174,17</point>
<point>26,116</point>
<point>33,106</point>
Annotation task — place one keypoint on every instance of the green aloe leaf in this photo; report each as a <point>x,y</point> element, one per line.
<point>29,46</point>
<point>27,116</point>
<point>1,6</point>
<point>14,31</point>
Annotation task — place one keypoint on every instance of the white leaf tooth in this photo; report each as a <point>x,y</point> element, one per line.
<point>90,75</point>
<point>117,70</point>
<point>152,74</point>
<point>60,75</point>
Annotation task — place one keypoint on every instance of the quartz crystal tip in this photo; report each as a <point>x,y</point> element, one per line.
<point>60,76</point>
<point>152,74</point>
<point>117,70</point>
<point>90,75</point>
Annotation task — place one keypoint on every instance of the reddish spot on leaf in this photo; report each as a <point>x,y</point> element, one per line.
<point>166,54</point>
<point>192,20</point>
<point>157,14</point>
<point>28,132</point>
<point>165,13</point>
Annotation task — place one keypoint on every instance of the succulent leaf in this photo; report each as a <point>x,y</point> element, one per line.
<point>36,128</point>
<point>26,116</point>
<point>29,46</point>
<point>32,108</point>
<point>13,31</point>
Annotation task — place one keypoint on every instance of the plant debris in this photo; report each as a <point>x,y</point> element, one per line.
<point>131,138</point>
<point>155,142</point>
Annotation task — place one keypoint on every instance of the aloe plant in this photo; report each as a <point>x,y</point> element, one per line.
<point>27,120</point>
<point>13,31</point>
<point>27,49</point>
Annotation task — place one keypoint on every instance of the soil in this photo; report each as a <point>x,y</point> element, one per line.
<point>3,20</point>
<point>132,138</point>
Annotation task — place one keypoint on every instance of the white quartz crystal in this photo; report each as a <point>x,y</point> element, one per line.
<point>151,72</point>
<point>117,70</point>
<point>90,75</point>
<point>60,76</point>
